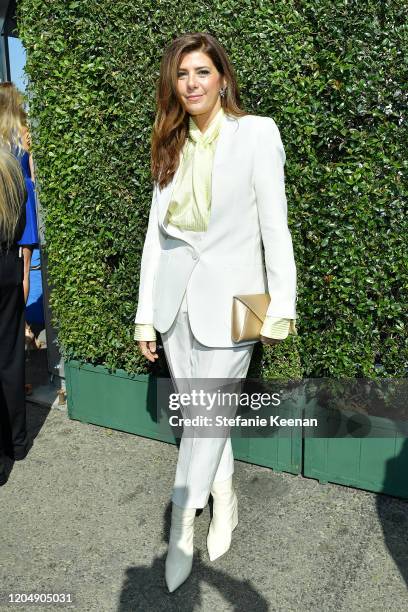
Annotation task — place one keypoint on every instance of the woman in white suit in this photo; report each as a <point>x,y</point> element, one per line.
<point>219,195</point>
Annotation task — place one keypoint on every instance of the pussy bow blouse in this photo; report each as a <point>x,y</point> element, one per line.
<point>190,208</point>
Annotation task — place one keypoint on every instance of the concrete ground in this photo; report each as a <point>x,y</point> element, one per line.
<point>88,513</point>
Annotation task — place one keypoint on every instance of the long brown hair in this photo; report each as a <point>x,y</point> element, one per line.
<point>13,118</point>
<point>171,124</point>
<point>12,194</point>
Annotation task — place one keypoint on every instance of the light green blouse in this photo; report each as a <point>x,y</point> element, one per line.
<point>190,203</point>
<point>190,208</point>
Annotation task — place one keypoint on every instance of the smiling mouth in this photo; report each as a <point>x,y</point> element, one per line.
<point>194,97</point>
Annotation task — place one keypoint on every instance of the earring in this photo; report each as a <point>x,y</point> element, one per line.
<point>223,92</point>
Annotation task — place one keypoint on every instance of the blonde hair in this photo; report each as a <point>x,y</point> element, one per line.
<point>13,118</point>
<point>13,194</point>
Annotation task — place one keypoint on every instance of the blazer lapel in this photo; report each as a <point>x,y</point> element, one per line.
<point>223,153</point>
<point>222,149</point>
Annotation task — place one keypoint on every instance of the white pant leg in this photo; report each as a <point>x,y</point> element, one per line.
<point>178,343</point>
<point>201,460</point>
<point>226,465</point>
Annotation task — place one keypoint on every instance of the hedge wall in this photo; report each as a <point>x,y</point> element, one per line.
<point>331,75</point>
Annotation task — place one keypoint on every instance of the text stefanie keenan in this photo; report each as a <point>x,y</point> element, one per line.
<point>257,421</point>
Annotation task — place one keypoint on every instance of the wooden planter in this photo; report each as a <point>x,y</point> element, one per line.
<point>377,463</point>
<point>373,456</point>
<point>126,403</point>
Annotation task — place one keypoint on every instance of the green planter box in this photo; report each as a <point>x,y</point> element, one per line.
<point>377,463</point>
<point>374,456</point>
<point>127,403</point>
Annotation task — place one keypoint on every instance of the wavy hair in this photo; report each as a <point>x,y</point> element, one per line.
<point>13,194</point>
<point>170,128</point>
<point>13,118</point>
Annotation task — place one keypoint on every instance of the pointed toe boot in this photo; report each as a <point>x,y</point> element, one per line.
<point>179,560</point>
<point>224,520</point>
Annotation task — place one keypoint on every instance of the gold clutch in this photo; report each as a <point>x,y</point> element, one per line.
<point>248,315</point>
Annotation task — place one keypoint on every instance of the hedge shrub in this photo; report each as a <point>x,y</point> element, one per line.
<point>331,75</point>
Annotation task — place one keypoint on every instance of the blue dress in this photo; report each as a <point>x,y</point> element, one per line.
<point>30,235</point>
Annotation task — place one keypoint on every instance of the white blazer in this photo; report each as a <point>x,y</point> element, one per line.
<point>248,209</point>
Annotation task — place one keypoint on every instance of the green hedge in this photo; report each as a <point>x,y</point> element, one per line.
<point>332,77</point>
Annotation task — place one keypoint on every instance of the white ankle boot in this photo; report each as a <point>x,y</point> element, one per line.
<point>179,558</point>
<point>225,518</point>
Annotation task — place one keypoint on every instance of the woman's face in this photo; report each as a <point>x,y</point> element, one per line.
<point>199,84</point>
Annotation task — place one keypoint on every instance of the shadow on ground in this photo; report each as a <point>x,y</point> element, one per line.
<point>144,588</point>
<point>393,516</point>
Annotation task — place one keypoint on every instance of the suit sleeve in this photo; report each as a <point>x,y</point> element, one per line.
<point>269,185</point>
<point>148,267</point>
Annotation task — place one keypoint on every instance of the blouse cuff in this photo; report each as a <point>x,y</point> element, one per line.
<point>145,332</point>
<point>278,328</point>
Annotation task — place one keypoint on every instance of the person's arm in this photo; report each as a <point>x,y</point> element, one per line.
<point>144,331</point>
<point>31,163</point>
<point>148,266</point>
<point>269,184</point>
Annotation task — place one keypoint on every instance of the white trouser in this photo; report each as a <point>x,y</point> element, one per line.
<point>201,460</point>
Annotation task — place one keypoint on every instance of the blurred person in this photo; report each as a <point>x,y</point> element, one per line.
<point>14,440</point>
<point>218,201</point>
<point>14,134</point>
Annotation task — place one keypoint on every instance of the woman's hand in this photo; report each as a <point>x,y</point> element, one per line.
<point>148,349</point>
<point>266,340</point>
